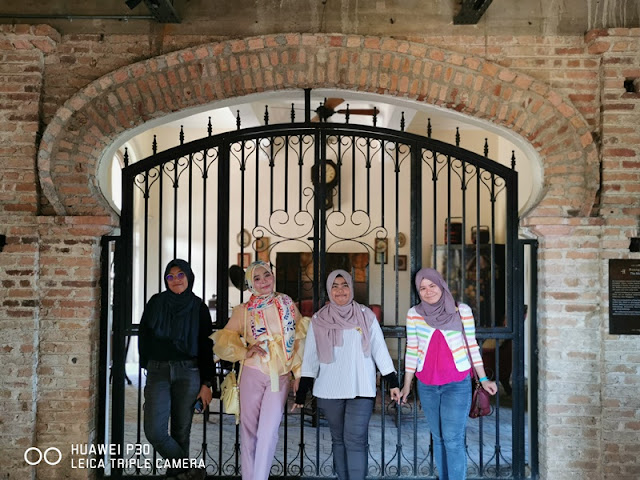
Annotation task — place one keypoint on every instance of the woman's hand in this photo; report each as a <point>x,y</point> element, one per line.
<point>256,349</point>
<point>205,395</point>
<point>404,394</point>
<point>295,385</point>
<point>296,405</point>
<point>395,395</point>
<point>490,386</point>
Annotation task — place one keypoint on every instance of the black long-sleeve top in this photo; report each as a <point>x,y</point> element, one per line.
<point>152,348</point>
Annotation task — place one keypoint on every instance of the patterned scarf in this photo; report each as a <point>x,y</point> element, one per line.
<point>257,306</point>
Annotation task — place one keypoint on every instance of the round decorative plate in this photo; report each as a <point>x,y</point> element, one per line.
<point>402,240</point>
<point>244,238</point>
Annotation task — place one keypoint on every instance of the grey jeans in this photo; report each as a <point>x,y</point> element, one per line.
<point>349,425</point>
<point>170,394</point>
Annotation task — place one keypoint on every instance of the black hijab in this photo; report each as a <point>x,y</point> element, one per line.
<point>176,317</point>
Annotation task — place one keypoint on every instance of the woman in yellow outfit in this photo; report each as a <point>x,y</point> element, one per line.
<point>274,333</point>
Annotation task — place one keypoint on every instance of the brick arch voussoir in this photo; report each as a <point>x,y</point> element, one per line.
<point>126,98</point>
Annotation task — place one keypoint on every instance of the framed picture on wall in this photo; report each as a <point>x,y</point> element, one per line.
<point>262,248</point>
<point>402,262</point>
<point>382,245</point>
<point>244,259</point>
<point>381,257</point>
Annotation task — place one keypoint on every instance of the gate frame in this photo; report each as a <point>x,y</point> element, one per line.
<point>319,131</point>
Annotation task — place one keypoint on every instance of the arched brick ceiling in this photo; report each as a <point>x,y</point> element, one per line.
<point>126,98</point>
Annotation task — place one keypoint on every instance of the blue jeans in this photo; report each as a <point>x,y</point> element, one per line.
<point>349,425</point>
<point>170,392</point>
<point>446,408</point>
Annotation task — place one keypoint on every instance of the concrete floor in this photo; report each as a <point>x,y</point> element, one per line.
<point>402,443</point>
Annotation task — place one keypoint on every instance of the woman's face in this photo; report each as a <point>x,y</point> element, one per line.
<point>340,291</point>
<point>177,280</point>
<point>262,281</point>
<point>429,291</point>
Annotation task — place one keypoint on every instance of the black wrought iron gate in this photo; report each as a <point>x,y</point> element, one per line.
<point>309,197</point>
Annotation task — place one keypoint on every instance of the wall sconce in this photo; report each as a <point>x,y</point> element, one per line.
<point>3,241</point>
<point>634,244</point>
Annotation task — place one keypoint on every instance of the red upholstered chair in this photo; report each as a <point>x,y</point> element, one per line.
<point>306,308</point>
<point>377,310</point>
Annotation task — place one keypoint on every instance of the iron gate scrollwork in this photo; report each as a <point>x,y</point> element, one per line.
<point>264,193</point>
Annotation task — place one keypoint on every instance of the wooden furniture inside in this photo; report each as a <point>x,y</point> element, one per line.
<point>459,265</point>
<point>294,276</point>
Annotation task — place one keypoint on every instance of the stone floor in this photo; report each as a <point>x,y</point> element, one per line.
<point>403,443</point>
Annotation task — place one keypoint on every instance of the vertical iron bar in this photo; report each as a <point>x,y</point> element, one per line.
<point>204,226</point>
<point>532,314</point>
<point>175,209</point>
<point>222,260</point>
<point>243,176</point>
<point>321,218</point>
<point>145,263</point>
<point>121,312</point>
<point>339,172</point>
<point>397,227</point>
<point>300,166</point>
<point>514,307</point>
<point>450,248</point>
<point>307,105</point>
<point>257,197</point>
<point>368,164</point>
<point>353,173</point>
<point>160,221</point>
<point>480,321</point>
<point>318,209</point>
<point>190,228</point>
<point>494,321</point>
<point>434,182</point>
<point>416,263</point>
<point>271,170</point>
<point>286,173</point>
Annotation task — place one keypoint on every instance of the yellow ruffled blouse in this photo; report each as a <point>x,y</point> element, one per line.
<point>232,342</point>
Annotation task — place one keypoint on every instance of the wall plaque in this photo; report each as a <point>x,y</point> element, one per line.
<point>624,297</point>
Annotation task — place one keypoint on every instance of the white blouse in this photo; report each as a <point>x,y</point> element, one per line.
<point>351,374</point>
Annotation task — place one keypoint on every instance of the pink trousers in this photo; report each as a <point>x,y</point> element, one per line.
<point>260,415</point>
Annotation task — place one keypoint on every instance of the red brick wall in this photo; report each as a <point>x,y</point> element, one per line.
<point>21,78</point>
<point>561,93</point>
<point>68,335</point>
<point>620,211</point>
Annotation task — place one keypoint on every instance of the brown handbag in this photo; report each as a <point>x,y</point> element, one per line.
<point>480,398</point>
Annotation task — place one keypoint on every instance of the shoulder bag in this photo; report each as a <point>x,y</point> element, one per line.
<point>230,387</point>
<point>480,398</point>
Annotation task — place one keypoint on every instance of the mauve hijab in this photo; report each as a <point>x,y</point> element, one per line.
<point>443,314</point>
<point>329,322</point>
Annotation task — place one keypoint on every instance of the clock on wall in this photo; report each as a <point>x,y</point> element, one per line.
<point>330,179</point>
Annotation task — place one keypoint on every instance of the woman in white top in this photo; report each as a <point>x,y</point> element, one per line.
<point>342,350</point>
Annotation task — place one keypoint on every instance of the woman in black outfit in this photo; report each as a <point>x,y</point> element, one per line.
<point>175,349</point>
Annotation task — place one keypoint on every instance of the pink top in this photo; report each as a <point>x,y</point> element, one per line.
<point>439,367</point>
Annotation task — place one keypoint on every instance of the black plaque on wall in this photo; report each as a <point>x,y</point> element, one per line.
<point>624,297</point>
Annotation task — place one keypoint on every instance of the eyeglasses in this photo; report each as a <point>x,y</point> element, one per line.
<point>178,276</point>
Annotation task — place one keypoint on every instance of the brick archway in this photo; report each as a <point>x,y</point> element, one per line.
<point>88,122</point>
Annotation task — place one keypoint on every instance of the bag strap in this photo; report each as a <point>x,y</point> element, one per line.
<point>464,335</point>
<point>244,338</point>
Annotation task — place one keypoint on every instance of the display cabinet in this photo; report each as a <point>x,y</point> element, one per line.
<point>472,281</point>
